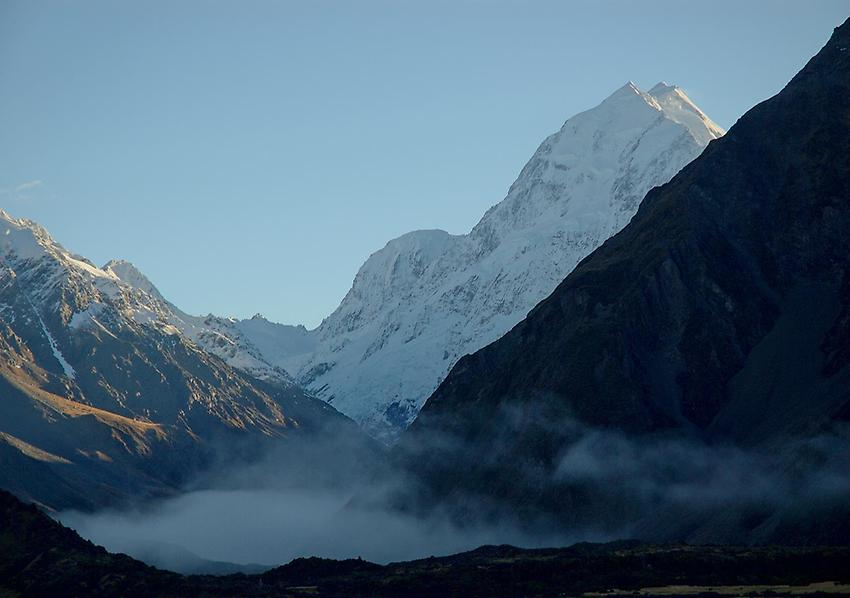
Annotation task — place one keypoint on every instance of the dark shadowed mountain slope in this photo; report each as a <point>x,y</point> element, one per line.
<point>39,557</point>
<point>719,315</point>
<point>102,398</point>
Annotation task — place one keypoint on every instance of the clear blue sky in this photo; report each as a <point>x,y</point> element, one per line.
<point>248,156</point>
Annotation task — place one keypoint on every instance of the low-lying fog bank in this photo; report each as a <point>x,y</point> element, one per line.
<point>272,527</point>
<point>333,500</point>
<point>328,500</point>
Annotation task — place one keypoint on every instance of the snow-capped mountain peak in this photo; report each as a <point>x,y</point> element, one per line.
<point>24,240</point>
<point>128,273</point>
<point>428,297</point>
<point>676,105</point>
<point>628,89</point>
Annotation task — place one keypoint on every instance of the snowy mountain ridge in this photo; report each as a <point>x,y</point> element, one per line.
<point>28,250</point>
<point>106,397</point>
<point>427,298</point>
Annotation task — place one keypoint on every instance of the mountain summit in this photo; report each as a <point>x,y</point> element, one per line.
<point>428,297</point>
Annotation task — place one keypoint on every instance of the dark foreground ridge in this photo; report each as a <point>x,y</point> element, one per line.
<point>40,557</point>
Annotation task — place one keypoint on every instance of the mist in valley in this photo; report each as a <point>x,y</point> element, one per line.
<point>343,499</point>
<point>337,498</point>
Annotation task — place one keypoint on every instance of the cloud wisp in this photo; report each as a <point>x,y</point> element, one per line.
<point>22,191</point>
<point>332,501</point>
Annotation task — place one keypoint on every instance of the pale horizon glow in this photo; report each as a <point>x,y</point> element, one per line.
<point>248,157</point>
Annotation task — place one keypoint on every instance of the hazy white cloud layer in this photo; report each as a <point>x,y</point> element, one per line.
<point>273,527</point>
<point>332,501</point>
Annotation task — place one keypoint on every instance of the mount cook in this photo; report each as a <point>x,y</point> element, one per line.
<point>428,298</point>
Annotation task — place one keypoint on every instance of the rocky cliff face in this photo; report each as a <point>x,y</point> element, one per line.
<point>718,316</point>
<point>428,297</point>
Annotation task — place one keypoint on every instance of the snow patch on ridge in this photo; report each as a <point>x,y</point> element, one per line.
<point>54,347</point>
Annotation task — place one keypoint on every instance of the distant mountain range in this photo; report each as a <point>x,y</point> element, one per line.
<point>690,379</point>
<point>428,297</point>
<point>105,393</point>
